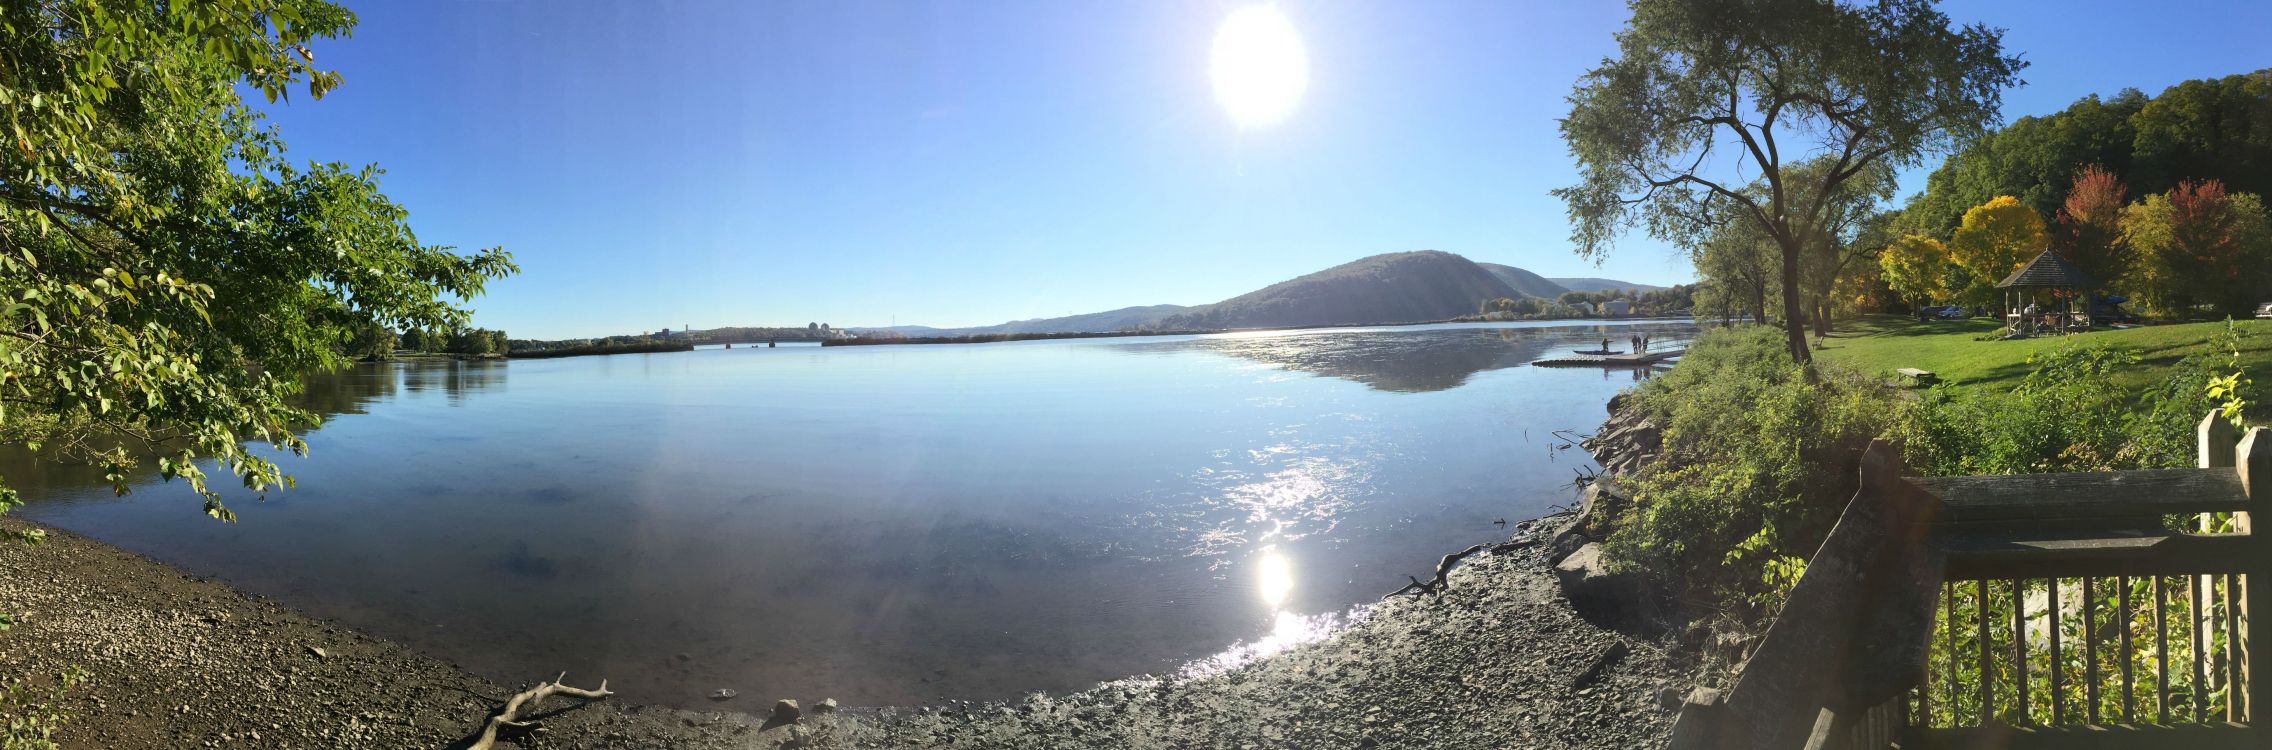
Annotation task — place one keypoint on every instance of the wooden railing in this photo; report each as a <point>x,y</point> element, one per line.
<point>1966,612</point>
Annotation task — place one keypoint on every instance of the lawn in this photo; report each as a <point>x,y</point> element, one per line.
<point>1953,350</point>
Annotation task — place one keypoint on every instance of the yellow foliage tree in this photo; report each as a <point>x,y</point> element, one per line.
<point>1995,239</point>
<point>1917,268</point>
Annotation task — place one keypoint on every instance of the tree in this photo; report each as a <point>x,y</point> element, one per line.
<point>167,275</point>
<point>370,341</point>
<point>1761,77</point>
<point>473,341</point>
<point>1917,268</point>
<point>2206,129</point>
<point>1995,239</point>
<point>499,343</point>
<point>2089,232</point>
<point>1738,262</point>
<point>1849,231</point>
<point>2198,244</point>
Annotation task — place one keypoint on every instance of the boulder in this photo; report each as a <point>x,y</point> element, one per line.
<point>785,710</point>
<point>1599,594</point>
<point>825,706</point>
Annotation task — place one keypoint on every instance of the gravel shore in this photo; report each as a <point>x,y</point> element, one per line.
<point>1497,660</point>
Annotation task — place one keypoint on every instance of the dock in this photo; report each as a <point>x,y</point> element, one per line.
<point>1629,359</point>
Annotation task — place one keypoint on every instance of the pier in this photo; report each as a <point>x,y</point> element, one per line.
<point>1592,359</point>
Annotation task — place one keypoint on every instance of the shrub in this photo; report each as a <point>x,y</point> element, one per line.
<point>1759,461</point>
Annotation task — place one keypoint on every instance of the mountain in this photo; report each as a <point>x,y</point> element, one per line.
<point>1406,287</point>
<point>1110,320</point>
<point>1524,281</point>
<point>1601,285</point>
<point>1101,322</point>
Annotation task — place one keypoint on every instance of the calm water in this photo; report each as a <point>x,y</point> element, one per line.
<point>886,525</point>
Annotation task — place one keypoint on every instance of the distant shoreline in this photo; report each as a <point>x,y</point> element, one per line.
<point>591,351</point>
<point>991,338</point>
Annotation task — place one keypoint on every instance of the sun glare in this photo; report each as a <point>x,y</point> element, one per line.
<point>1274,577</point>
<point>1258,66</point>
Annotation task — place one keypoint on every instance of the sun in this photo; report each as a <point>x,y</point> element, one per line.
<point>1258,66</point>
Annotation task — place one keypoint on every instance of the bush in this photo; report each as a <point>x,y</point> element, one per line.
<point>1759,460</point>
<point>2068,415</point>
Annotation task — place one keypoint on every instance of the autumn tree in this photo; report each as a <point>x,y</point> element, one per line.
<point>2088,232</point>
<point>1917,268</point>
<point>1704,95</point>
<point>1995,239</point>
<point>2199,245</point>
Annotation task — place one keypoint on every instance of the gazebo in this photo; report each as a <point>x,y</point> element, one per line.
<point>2047,271</point>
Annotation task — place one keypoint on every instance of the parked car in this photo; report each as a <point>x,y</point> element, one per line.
<point>2108,310</point>
<point>2264,311</point>
<point>1947,312</point>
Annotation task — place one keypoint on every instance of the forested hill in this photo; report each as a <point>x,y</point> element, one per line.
<point>1525,282</point>
<point>1393,288</point>
<point>2209,129</point>
<point>1590,284</point>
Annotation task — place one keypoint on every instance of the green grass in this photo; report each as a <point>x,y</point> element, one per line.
<point>1953,350</point>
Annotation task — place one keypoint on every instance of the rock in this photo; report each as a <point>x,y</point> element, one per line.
<point>1668,697</point>
<point>318,652</point>
<point>1609,656</point>
<point>1593,589</point>
<point>825,706</point>
<point>785,710</point>
<point>721,694</point>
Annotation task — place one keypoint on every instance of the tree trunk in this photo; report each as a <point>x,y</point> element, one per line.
<point>1821,318</point>
<point>1794,314</point>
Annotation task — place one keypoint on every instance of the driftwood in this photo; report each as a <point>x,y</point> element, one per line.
<point>509,716</point>
<point>1436,585</point>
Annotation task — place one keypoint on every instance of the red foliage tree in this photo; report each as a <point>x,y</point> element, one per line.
<point>2089,230</point>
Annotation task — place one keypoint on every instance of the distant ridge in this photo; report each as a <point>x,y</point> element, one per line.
<point>1404,287</point>
<point>1589,284</point>
<point>1525,282</point>
<point>1408,287</point>
<point>1101,322</point>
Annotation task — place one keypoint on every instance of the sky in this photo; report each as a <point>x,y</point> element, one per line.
<point>673,163</point>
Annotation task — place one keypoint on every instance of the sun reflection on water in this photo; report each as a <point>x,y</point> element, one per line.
<point>1274,578</point>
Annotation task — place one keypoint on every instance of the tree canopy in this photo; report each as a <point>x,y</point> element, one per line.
<point>2198,244</point>
<point>166,274</point>
<point>1995,239</point>
<point>2211,129</point>
<point>1917,268</point>
<point>1774,83</point>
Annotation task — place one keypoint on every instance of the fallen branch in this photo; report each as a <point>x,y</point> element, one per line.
<point>1436,585</point>
<point>509,717</point>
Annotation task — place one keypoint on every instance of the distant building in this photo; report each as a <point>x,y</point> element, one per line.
<point>1583,308</point>
<point>1617,308</point>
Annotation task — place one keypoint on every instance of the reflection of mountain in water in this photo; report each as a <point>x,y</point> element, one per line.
<point>1410,361</point>
<point>327,395</point>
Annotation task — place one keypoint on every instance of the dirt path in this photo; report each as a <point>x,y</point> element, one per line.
<point>1499,660</point>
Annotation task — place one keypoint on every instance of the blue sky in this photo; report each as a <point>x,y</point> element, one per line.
<point>658,164</point>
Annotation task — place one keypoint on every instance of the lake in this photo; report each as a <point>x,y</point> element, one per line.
<point>887,525</point>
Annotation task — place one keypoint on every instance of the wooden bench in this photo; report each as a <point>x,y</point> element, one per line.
<point>1919,377</point>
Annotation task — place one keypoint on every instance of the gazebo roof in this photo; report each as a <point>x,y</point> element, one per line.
<point>2048,270</point>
